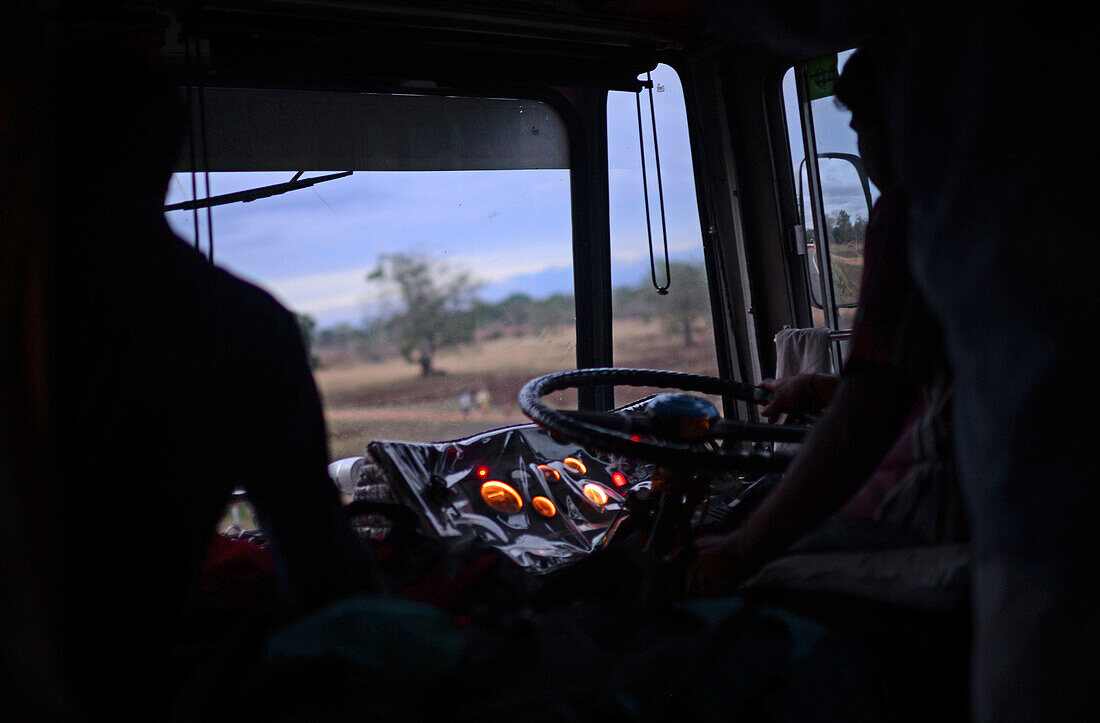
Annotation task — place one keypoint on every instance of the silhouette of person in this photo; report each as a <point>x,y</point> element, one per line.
<point>175,383</point>
<point>989,140</point>
<point>866,447</point>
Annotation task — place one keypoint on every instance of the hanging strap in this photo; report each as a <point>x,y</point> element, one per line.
<point>661,289</point>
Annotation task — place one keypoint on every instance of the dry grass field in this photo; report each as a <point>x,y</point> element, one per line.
<point>389,400</point>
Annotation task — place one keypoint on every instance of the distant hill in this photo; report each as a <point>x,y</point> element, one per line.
<point>559,280</point>
<point>540,284</point>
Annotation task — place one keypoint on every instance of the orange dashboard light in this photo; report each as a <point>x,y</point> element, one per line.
<point>549,472</point>
<point>619,479</point>
<point>501,497</point>
<point>574,465</point>
<point>544,506</point>
<point>596,494</point>
<point>483,471</point>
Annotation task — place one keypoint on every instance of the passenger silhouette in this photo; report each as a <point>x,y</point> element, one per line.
<point>990,142</point>
<point>175,383</point>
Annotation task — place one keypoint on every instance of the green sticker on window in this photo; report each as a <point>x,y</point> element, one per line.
<point>821,75</point>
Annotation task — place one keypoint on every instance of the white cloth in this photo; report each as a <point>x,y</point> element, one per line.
<point>802,351</point>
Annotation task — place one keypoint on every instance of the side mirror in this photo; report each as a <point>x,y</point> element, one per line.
<point>847,206</point>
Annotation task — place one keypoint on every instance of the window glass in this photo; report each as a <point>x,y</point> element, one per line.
<point>651,330</point>
<point>427,297</point>
<point>844,198</point>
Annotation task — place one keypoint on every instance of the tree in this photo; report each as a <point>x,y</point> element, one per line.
<point>686,301</point>
<point>638,301</point>
<point>306,327</point>
<point>687,298</point>
<point>859,228</point>
<point>438,306</point>
<point>840,228</point>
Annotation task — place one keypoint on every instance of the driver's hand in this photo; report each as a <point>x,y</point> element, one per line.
<point>800,394</point>
<point>718,568</point>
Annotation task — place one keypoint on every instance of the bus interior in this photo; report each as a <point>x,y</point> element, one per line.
<point>478,212</point>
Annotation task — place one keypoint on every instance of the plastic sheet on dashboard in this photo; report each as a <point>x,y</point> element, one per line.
<point>541,501</point>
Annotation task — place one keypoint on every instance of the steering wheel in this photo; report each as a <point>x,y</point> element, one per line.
<point>645,435</point>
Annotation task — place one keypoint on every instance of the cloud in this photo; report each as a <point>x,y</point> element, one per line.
<point>319,292</point>
<point>347,289</point>
<point>313,248</point>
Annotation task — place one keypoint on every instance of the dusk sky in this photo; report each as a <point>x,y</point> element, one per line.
<point>312,248</point>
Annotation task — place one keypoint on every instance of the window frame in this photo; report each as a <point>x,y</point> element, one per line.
<point>718,298</point>
<point>797,231</point>
<point>583,112</point>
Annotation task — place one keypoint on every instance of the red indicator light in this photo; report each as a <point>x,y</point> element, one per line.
<point>596,494</point>
<point>635,438</point>
<point>551,474</point>
<point>544,506</point>
<point>482,471</point>
<point>501,497</point>
<point>619,479</point>
<point>574,465</point>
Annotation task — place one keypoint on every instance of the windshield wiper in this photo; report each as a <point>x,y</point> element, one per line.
<point>254,193</point>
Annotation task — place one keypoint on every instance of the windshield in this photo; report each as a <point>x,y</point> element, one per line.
<point>426,298</point>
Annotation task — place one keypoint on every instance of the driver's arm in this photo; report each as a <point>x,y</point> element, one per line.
<point>858,427</point>
<point>851,437</point>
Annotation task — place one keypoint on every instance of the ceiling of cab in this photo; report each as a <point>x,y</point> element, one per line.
<point>581,43</point>
<point>614,21</point>
<point>484,43</point>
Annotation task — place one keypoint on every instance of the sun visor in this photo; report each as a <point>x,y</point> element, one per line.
<point>254,129</point>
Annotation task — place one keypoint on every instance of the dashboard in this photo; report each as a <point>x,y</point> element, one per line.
<point>542,501</point>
